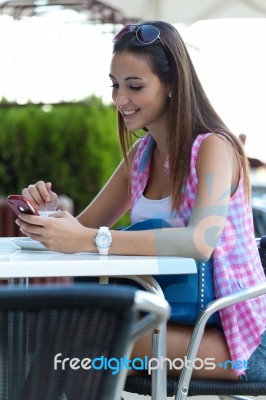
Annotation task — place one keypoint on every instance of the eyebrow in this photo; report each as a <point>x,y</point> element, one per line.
<point>127,79</point>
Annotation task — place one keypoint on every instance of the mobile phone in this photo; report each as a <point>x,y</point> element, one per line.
<point>20,204</point>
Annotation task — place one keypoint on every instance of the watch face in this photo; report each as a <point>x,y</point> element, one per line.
<point>103,240</point>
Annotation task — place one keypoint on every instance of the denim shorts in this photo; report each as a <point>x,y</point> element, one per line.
<point>256,364</point>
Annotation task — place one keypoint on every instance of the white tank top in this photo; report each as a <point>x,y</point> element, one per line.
<point>148,209</point>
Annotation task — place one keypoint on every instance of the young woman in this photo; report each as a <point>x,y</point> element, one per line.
<point>189,170</point>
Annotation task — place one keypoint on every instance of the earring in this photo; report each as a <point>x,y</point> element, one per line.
<point>170,94</point>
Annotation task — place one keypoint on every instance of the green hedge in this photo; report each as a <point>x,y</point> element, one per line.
<point>75,146</point>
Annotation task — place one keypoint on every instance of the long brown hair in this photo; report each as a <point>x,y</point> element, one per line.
<point>190,112</point>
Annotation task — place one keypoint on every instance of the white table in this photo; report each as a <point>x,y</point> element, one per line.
<point>18,265</point>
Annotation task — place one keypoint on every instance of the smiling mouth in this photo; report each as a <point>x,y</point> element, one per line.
<point>128,113</point>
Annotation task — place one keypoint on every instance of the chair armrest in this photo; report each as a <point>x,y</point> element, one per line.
<point>216,305</point>
<point>223,302</point>
<point>156,309</point>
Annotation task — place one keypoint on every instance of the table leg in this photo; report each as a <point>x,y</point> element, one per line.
<point>158,376</point>
<point>104,280</point>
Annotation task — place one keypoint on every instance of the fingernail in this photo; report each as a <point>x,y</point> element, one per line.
<point>17,222</point>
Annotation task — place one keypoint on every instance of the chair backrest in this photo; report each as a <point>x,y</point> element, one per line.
<point>68,340</point>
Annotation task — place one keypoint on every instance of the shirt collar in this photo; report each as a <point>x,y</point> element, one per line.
<point>145,158</point>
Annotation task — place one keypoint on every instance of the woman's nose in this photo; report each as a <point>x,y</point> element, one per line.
<point>120,98</point>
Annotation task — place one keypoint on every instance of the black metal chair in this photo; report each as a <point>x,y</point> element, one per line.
<point>184,386</point>
<point>63,341</point>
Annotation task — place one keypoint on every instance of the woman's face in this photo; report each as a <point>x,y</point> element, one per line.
<point>138,93</point>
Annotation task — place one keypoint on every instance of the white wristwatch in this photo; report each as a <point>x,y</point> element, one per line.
<point>103,240</point>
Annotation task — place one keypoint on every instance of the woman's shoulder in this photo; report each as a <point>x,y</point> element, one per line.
<point>211,141</point>
<point>217,154</point>
<point>215,142</point>
<point>197,145</point>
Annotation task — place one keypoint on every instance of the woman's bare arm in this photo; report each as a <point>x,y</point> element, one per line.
<point>111,203</point>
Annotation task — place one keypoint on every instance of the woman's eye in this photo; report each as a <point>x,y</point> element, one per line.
<point>115,86</point>
<point>136,88</point>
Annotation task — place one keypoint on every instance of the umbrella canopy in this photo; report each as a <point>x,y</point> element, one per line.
<point>124,11</point>
<point>189,11</point>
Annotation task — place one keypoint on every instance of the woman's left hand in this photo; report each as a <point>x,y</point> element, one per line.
<point>59,232</point>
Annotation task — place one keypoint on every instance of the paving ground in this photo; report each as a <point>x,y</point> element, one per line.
<point>130,396</point>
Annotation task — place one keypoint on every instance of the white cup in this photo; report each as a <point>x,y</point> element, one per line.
<point>45,213</point>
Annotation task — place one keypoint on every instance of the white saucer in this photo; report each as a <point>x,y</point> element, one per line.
<point>26,243</point>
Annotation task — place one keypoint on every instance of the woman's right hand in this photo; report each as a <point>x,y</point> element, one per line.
<point>41,195</point>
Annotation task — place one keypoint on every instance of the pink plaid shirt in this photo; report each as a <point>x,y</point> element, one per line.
<point>236,259</point>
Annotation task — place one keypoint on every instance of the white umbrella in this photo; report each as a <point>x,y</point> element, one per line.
<point>189,11</point>
<point>121,11</point>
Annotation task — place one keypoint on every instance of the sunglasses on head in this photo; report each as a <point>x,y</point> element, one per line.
<point>146,34</point>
